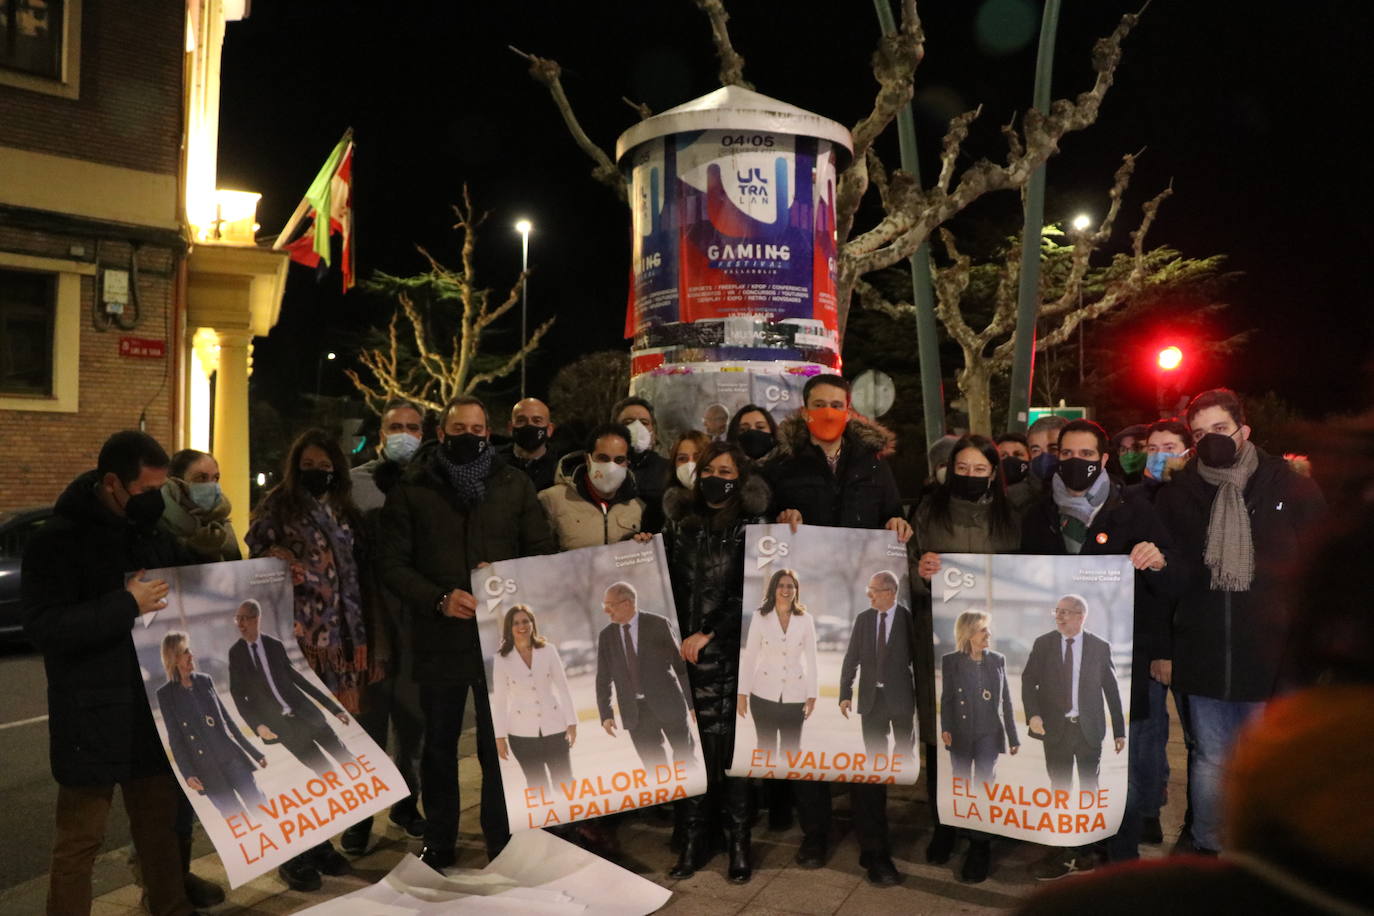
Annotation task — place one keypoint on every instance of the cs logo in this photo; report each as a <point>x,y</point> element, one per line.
<point>770,549</point>
<point>497,588</point>
<point>956,581</point>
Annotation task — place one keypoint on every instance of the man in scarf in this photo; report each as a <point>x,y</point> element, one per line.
<point>1085,511</point>
<point>458,507</point>
<point>1238,516</point>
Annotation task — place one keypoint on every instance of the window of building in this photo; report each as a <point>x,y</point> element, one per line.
<point>40,45</point>
<point>31,37</point>
<point>28,306</point>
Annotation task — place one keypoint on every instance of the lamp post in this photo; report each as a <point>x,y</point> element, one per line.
<point>319,368</point>
<point>1080,224</point>
<point>523,227</point>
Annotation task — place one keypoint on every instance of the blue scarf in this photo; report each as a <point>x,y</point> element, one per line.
<point>470,480</point>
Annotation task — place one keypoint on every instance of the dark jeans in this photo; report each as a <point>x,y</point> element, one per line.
<point>649,732</point>
<point>1065,747</point>
<point>982,762</point>
<point>1147,773</point>
<point>544,760</point>
<point>880,721</point>
<point>443,710</point>
<point>867,800</point>
<point>777,725</point>
<point>82,811</point>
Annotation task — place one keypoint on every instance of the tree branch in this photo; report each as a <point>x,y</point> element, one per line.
<point>731,63</point>
<point>549,73</point>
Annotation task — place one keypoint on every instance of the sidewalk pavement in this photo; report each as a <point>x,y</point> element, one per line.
<point>778,886</point>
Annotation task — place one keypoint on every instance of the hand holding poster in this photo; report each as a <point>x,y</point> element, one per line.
<point>589,694</point>
<point>827,688</point>
<point>272,764</point>
<point>1045,643</point>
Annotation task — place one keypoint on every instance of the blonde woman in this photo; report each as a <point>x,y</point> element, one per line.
<point>532,709</point>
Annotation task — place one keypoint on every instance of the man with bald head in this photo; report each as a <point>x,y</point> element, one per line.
<point>529,448</point>
<point>637,654</point>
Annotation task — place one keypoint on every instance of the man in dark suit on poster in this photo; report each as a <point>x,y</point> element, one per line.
<point>637,653</point>
<point>1067,677</point>
<point>275,699</point>
<point>880,648</point>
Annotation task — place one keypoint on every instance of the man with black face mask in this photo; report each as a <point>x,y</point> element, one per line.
<point>458,507</point>
<point>530,446</point>
<point>1238,516</point>
<point>83,589</point>
<point>1085,511</point>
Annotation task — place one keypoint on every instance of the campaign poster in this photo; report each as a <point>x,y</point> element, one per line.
<point>589,694</point>
<point>1033,682</point>
<point>270,761</point>
<point>827,687</point>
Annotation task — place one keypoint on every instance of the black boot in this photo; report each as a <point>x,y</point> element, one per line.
<point>679,826</point>
<point>696,839</point>
<point>976,862</point>
<point>738,816</point>
<point>941,845</point>
<point>740,871</point>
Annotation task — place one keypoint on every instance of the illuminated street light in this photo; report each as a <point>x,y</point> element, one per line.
<point>523,227</point>
<point>1081,222</point>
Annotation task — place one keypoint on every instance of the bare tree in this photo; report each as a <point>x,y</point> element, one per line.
<point>911,214</point>
<point>422,366</point>
<point>584,391</point>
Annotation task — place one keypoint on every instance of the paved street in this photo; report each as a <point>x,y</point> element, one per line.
<point>778,886</point>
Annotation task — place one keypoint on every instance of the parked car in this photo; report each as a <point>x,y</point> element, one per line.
<point>16,529</point>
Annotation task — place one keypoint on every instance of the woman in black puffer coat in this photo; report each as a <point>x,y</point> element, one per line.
<point>705,542</point>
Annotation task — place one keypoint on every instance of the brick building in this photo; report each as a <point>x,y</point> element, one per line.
<point>130,286</point>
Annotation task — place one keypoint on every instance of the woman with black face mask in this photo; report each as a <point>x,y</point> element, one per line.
<point>704,538</point>
<point>966,513</point>
<point>309,520</point>
<point>755,431</point>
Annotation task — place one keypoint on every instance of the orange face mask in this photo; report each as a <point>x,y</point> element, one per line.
<point>826,423</point>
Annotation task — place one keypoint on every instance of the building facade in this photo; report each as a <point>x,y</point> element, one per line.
<point>130,285</point>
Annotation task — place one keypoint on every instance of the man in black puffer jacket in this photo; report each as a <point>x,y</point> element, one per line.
<point>1239,517</point>
<point>829,471</point>
<point>78,610</point>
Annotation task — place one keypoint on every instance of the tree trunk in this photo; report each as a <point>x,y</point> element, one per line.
<point>975,384</point>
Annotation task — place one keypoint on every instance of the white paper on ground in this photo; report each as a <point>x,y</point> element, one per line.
<point>537,858</point>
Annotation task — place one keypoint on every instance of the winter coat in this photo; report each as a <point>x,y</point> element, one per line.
<point>652,472</point>
<point>578,520</point>
<point>861,493</point>
<point>79,615</point>
<point>1229,645</point>
<point>542,471</point>
<point>969,531</point>
<point>430,543</point>
<point>371,482</point>
<point>1124,521</point>
<point>384,612</point>
<point>206,533</point>
<point>706,564</point>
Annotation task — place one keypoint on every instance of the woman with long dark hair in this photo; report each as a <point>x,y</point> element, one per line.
<point>309,520</point>
<point>779,681</point>
<point>532,711</point>
<point>705,543</point>
<point>755,430</point>
<point>967,512</point>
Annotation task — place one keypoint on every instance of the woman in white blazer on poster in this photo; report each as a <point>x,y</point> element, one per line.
<point>777,672</point>
<point>532,709</point>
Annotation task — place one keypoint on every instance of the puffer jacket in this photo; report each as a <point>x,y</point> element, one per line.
<point>578,520</point>
<point>706,563</point>
<point>861,493</point>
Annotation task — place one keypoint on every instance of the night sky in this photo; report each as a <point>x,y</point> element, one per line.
<point>1252,116</point>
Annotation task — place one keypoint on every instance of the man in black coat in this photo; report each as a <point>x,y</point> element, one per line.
<point>652,471</point>
<point>457,508</point>
<point>1240,517</point>
<point>530,448</point>
<point>880,650</point>
<point>828,471</point>
<point>1066,679</point>
<point>275,699</point>
<point>82,591</point>
<point>1084,511</point>
<point>637,654</point>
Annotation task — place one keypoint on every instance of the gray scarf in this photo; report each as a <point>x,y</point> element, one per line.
<point>1076,511</point>
<point>1230,551</point>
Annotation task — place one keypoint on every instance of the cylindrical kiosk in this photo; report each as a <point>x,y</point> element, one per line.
<point>732,277</point>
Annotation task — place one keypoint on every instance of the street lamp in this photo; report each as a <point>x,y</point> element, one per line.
<point>523,227</point>
<point>1080,224</point>
<point>319,368</point>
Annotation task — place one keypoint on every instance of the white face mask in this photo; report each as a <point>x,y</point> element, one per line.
<point>606,476</point>
<point>687,473</point>
<point>399,447</point>
<point>640,437</point>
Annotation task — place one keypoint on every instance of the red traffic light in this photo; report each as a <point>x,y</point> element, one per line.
<point>1170,358</point>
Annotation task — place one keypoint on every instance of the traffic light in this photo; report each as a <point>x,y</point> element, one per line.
<point>1169,380</point>
<point>1170,358</point>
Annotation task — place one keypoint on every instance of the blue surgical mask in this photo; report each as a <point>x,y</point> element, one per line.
<point>399,447</point>
<point>1154,464</point>
<point>1044,464</point>
<point>205,495</point>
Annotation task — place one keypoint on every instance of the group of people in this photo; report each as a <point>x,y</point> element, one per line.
<point>381,558</point>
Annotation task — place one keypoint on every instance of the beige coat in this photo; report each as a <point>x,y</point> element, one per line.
<point>578,522</point>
